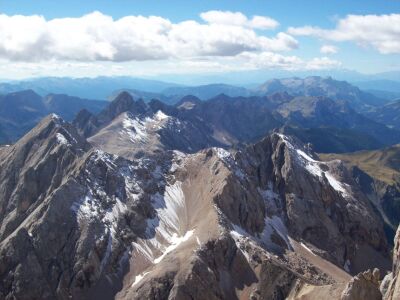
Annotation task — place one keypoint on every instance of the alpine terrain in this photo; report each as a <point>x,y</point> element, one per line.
<point>198,200</point>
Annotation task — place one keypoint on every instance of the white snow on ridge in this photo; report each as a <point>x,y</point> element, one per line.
<point>55,116</point>
<point>61,139</point>
<point>98,206</point>
<point>159,115</point>
<point>338,186</point>
<point>222,153</point>
<point>139,129</point>
<point>177,161</point>
<point>313,167</point>
<point>136,129</point>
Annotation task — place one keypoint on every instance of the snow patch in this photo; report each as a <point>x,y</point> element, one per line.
<point>308,249</point>
<point>175,242</point>
<point>166,231</point>
<point>222,153</point>
<point>61,139</point>
<point>140,129</point>
<point>55,116</point>
<point>135,128</point>
<point>160,115</point>
<point>313,167</point>
<point>273,224</point>
<point>177,161</point>
<point>138,278</point>
<point>335,183</point>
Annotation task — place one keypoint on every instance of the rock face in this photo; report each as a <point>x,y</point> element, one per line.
<point>93,220</point>
<point>390,286</point>
<point>377,172</point>
<point>363,286</point>
<point>61,206</point>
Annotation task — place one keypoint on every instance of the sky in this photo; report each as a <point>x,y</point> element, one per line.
<point>154,38</point>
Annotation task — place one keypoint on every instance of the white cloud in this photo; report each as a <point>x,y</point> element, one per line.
<point>96,44</point>
<point>241,62</point>
<point>381,32</point>
<point>238,19</point>
<point>328,49</point>
<point>98,37</point>
<point>269,60</point>
<point>322,63</point>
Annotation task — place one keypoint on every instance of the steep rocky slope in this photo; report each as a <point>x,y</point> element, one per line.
<point>390,286</point>
<point>322,112</point>
<point>332,139</point>
<point>388,114</point>
<point>378,174</point>
<point>267,222</point>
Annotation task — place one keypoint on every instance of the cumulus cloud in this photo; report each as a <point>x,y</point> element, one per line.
<point>328,49</point>
<point>381,32</point>
<point>98,37</point>
<point>96,43</point>
<point>238,19</point>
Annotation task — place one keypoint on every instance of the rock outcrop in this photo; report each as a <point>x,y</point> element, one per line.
<point>390,286</point>
<point>363,286</point>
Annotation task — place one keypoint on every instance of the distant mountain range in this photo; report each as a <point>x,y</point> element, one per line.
<point>331,126</point>
<point>91,88</point>
<point>172,95</point>
<point>332,115</point>
<point>323,86</point>
<point>21,111</point>
<point>106,88</point>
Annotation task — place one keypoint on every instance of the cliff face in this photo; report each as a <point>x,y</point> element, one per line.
<point>390,286</point>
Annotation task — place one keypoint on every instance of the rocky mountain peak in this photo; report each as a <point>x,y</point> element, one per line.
<point>53,129</point>
<point>122,103</point>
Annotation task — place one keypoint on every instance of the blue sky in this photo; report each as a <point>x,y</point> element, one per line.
<point>293,13</point>
<point>308,37</point>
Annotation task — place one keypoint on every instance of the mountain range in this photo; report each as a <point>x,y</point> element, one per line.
<point>330,124</point>
<point>269,221</point>
<point>93,88</point>
<point>21,111</point>
<point>224,198</point>
<point>103,88</point>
